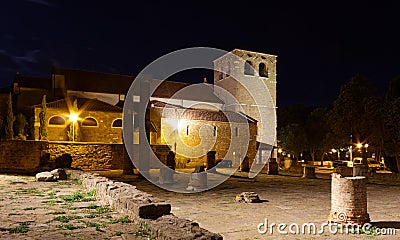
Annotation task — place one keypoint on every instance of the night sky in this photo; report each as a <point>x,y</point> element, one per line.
<point>319,47</point>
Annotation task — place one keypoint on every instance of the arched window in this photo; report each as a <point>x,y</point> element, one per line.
<point>56,120</point>
<point>89,122</point>
<point>236,131</point>
<point>262,70</point>
<point>187,130</point>
<point>117,123</point>
<point>248,68</point>
<point>215,131</point>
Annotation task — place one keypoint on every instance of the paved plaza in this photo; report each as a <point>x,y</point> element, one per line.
<point>39,210</point>
<point>287,199</point>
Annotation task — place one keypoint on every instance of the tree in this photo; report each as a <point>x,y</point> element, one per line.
<point>348,115</point>
<point>317,129</point>
<point>31,128</point>
<point>394,89</point>
<point>43,120</point>
<point>392,136</point>
<point>293,139</point>
<point>9,128</point>
<point>20,126</point>
<point>1,127</point>
<point>73,130</point>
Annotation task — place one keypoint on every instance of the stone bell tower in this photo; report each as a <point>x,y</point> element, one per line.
<point>250,77</point>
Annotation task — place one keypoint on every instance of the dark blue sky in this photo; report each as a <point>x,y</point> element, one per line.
<point>319,47</point>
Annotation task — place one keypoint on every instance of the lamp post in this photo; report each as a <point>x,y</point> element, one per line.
<point>73,117</point>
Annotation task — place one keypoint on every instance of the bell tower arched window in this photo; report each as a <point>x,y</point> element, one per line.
<point>248,68</point>
<point>262,70</point>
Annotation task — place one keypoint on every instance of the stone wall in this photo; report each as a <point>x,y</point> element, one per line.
<point>90,156</point>
<point>103,132</point>
<point>18,156</point>
<point>195,138</point>
<point>143,207</point>
<point>31,156</point>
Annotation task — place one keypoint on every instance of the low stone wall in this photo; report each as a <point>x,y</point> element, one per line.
<point>18,156</point>
<point>140,206</point>
<point>391,177</point>
<point>90,156</point>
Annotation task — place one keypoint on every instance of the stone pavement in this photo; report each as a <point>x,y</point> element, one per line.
<point>287,199</point>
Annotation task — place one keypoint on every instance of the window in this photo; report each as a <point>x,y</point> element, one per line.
<point>187,130</point>
<point>56,120</point>
<point>236,131</point>
<point>262,70</point>
<point>215,131</point>
<point>248,68</point>
<point>117,123</point>
<point>89,122</point>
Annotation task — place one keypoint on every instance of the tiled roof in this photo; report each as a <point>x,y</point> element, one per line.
<point>34,82</point>
<point>89,81</point>
<point>202,92</point>
<point>170,111</point>
<point>83,104</point>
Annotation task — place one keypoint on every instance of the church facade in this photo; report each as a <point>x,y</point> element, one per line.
<point>99,97</point>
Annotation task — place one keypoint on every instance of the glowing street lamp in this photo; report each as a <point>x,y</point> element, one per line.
<point>74,118</point>
<point>359,145</point>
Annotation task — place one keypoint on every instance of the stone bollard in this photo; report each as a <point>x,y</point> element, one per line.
<point>308,171</point>
<point>348,200</point>
<point>171,160</point>
<point>166,175</point>
<point>198,179</point>
<point>272,167</point>
<point>211,160</point>
<point>360,170</point>
<point>245,165</point>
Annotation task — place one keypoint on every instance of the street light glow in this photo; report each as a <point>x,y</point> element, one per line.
<point>366,145</point>
<point>73,117</point>
<point>359,145</point>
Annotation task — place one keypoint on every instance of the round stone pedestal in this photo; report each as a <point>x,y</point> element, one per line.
<point>349,200</point>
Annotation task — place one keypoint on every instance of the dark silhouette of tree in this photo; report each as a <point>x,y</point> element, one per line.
<point>31,128</point>
<point>348,116</point>
<point>394,89</point>
<point>1,127</point>
<point>317,129</point>
<point>43,120</point>
<point>9,128</point>
<point>20,125</point>
<point>293,139</point>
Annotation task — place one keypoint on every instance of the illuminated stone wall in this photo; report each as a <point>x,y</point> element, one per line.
<point>194,138</point>
<point>103,132</point>
<point>25,156</point>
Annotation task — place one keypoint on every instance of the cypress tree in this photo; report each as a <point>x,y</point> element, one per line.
<point>9,131</point>
<point>43,120</point>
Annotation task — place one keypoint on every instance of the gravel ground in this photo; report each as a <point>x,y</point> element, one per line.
<point>58,210</point>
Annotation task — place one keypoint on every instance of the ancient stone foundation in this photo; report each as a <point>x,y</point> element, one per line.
<point>348,200</point>
<point>143,207</point>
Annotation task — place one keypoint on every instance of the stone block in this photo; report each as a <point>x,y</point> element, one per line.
<point>45,177</point>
